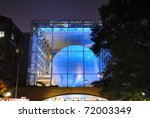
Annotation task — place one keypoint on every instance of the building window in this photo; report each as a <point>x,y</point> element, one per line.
<point>12,37</point>
<point>2,34</point>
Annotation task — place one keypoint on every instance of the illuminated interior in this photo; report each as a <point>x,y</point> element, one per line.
<point>76,97</point>
<point>60,54</point>
<point>75,66</point>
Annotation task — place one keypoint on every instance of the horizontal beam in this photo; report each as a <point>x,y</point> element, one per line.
<point>41,93</point>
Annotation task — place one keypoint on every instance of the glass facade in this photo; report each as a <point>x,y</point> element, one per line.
<point>60,54</point>
<point>74,66</point>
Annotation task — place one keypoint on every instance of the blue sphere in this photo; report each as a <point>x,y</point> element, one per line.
<point>74,66</point>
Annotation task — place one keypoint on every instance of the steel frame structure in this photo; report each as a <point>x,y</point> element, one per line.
<point>42,51</point>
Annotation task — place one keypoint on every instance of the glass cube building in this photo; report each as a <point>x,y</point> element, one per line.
<point>61,55</point>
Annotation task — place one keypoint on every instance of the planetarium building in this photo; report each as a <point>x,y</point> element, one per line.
<point>61,55</point>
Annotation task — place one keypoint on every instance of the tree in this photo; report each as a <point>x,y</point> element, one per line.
<point>3,87</point>
<point>125,33</point>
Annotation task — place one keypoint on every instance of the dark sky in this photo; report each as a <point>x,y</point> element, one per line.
<point>23,11</point>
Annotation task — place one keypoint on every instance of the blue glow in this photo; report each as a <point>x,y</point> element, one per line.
<point>73,67</point>
<point>76,97</point>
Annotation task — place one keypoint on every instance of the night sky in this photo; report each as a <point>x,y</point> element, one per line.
<point>23,11</point>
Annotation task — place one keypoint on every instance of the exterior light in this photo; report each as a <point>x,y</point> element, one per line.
<point>7,94</point>
<point>100,76</point>
<point>143,94</point>
<point>17,50</point>
<point>85,81</point>
<point>2,34</point>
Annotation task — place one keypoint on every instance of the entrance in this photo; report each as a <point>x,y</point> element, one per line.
<point>76,97</point>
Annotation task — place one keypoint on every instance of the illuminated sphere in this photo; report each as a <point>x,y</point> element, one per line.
<point>74,66</point>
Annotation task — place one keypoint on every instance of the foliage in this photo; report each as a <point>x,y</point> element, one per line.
<point>125,33</point>
<point>3,87</point>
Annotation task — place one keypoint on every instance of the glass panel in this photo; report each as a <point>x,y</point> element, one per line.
<point>60,38</point>
<point>89,78</point>
<point>78,80</point>
<point>75,61</point>
<point>60,63</point>
<point>90,62</point>
<point>75,36</point>
<point>42,48</point>
<point>87,37</point>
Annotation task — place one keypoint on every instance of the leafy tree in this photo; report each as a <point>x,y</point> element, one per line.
<point>125,33</point>
<point>3,87</point>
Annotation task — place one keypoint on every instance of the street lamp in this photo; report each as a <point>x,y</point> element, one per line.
<point>16,89</point>
<point>6,96</point>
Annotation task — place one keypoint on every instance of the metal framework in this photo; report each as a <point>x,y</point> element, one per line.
<point>49,38</point>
